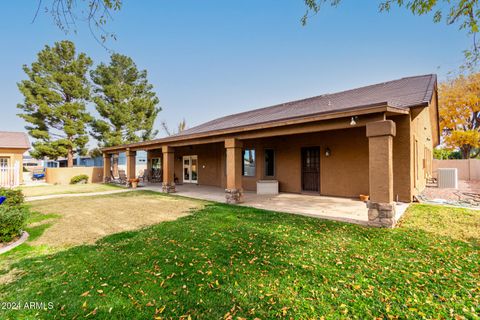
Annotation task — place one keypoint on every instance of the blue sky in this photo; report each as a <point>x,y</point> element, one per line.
<point>212,58</point>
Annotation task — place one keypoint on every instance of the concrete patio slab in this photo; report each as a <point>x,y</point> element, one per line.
<point>330,208</point>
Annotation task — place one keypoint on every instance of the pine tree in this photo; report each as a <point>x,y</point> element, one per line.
<point>55,97</point>
<point>125,101</point>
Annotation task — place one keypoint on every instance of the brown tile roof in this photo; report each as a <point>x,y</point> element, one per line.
<point>402,93</point>
<point>14,140</point>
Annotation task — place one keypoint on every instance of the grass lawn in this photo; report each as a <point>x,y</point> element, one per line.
<point>235,262</point>
<point>43,190</point>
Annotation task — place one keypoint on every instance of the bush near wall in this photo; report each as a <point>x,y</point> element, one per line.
<point>81,178</point>
<point>12,221</point>
<point>13,215</point>
<point>14,196</point>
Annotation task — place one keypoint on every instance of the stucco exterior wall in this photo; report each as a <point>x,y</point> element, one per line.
<point>421,156</point>
<point>211,160</point>
<point>63,175</point>
<point>402,186</point>
<point>344,173</point>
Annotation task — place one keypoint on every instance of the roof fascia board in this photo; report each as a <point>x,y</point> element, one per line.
<point>376,108</point>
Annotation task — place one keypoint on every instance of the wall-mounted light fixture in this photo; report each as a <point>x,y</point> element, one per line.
<point>327,152</point>
<point>354,120</point>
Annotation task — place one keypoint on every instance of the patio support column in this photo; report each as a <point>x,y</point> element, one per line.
<point>107,166</point>
<point>168,185</point>
<point>234,190</point>
<point>115,164</point>
<point>381,208</point>
<point>131,170</point>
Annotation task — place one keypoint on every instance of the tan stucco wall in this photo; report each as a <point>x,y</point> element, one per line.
<point>63,175</point>
<point>402,189</point>
<point>211,161</point>
<point>343,173</point>
<point>421,156</point>
<point>14,155</point>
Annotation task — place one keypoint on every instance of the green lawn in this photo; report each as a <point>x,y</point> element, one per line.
<point>235,262</point>
<point>34,191</point>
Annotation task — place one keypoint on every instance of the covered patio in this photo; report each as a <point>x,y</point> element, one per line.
<point>313,156</point>
<point>323,207</point>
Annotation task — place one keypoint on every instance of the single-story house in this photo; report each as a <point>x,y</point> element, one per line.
<point>375,140</point>
<point>12,147</point>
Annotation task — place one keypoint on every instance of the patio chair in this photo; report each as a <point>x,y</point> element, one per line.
<point>122,176</point>
<point>156,176</point>
<point>112,178</point>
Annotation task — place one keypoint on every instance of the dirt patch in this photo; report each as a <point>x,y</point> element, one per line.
<point>87,219</point>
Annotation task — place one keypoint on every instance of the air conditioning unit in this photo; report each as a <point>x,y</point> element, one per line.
<point>448,178</point>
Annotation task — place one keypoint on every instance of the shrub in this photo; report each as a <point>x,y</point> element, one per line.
<point>12,221</point>
<point>14,196</point>
<point>82,178</point>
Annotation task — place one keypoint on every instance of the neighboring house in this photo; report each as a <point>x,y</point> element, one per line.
<point>32,164</point>
<point>81,161</point>
<point>375,140</point>
<point>12,147</point>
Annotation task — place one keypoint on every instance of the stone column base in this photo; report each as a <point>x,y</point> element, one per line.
<point>381,214</point>
<point>168,188</point>
<point>233,196</point>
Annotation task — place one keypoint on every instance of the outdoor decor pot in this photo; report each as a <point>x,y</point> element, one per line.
<point>364,197</point>
<point>134,183</point>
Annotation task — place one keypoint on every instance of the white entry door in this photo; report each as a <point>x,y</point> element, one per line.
<point>190,169</point>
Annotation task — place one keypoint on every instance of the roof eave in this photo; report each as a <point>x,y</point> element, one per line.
<point>354,111</point>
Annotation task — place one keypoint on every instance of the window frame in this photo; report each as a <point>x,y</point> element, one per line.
<point>244,151</point>
<point>7,161</point>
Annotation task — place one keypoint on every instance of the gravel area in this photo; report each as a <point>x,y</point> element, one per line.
<point>467,195</point>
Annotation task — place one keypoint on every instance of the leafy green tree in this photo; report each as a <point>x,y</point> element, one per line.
<point>463,13</point>
<point>444,154</point>
<point>55,97</point>
<point>125,101</point>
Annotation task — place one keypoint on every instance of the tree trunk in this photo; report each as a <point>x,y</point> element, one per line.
<point>465,150</point>
<point>70,159</point>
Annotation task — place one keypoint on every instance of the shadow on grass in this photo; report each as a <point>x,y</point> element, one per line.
<point>236,261</point>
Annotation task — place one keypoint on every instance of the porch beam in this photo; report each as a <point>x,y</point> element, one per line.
<point>381,208</point>
<point>362,112</point>
<point>168,185</point>
<point>326,125</point>
<point>234,190</point>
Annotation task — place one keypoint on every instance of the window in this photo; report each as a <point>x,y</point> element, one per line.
<point>3,162</point>
<point>248,169</point>
<point>269,162</point>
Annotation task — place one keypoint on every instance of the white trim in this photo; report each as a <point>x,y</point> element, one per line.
<point>188,167</point>
<point>10,176</point>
